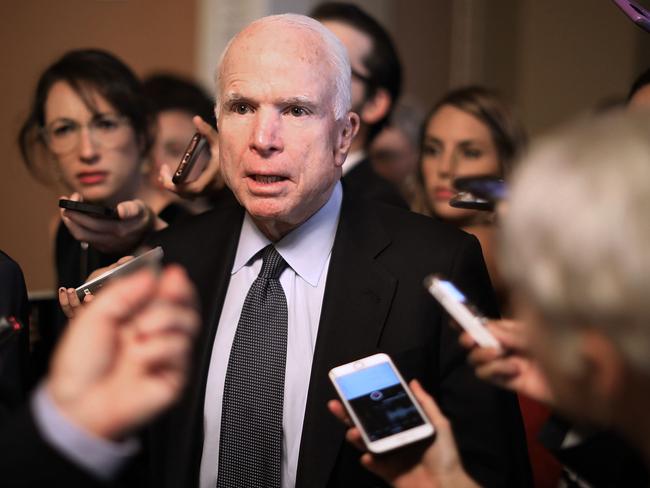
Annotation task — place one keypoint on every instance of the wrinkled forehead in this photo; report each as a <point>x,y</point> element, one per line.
<point>278,54</point>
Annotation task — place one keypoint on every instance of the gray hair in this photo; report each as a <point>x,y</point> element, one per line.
<point>576,237</point>
<point>335,51</point>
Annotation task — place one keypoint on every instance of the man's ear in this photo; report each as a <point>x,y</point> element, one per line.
<point>346,133</point>
<point>374,109</point>
<point>604,368</point>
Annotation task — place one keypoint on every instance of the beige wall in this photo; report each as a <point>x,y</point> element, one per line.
<point>557,58</point>
<point>147,34</point>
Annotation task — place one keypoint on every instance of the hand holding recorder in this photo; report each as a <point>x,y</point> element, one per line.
<point>461,310</point>
<point>71,299</point>
<point>117,230</point>
<point>196,174</point>
<point>436,465</point>
<point>511,367</point>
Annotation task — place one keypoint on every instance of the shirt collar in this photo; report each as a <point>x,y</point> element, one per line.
<point>305,249</point>
<point>352,160</point>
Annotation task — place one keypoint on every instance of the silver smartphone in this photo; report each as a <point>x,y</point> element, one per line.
<point>149,258</point>
<point>380,403</point>
<point>461,309</point>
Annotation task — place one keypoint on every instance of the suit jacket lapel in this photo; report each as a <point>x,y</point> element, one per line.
<point>217,238</point>
<point>358,297</point>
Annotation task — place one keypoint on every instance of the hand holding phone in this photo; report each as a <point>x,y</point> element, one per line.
<point>91,209</point>
<point>380,403</point>
<point>461,310</point>
<point>194,160</point>
<point>490,188</point>
<point>149,258</point>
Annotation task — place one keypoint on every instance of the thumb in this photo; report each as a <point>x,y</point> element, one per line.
<point>131,209</point>
<point>428,404</point>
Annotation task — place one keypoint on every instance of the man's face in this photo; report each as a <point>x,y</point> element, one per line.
<point>281,148</point>
<point>358,45</point>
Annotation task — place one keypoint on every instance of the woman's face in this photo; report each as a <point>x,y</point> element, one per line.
<point>174,132</point>
<point>455,144</point>
<point>97,153</point>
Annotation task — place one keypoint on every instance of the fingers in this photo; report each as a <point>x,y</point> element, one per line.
<point>165,178</point>
<point>205,129</point>
<point>510,333</point>
<point>352,435</point>
<point>131,209</point>
<point>69,301</point>
<point>499,371</point>
<point>163,351</point>
<point>428,404</point>
<point>120,299</point>
<point>176,287</point>
<point>167,318</point>
<point>338,410</point>
<point>483,355</point>
<point>113,236</point>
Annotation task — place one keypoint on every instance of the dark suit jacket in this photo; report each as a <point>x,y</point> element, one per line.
<point>364,182</point>
<point>374,301</point>
<point>601,458</point>
<point>14,346</point>
<point>26,460</point>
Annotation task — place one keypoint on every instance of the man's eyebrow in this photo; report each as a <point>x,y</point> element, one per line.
<point>298,100</point>
<point>234,97</point>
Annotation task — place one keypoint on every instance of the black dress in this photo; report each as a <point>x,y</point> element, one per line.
<point>14,345</point>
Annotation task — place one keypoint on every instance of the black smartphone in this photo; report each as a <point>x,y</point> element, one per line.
<point>491,188</point>
<point>194,160</point>
<point>149,258</point>
<point>91,209</point>
<point>635,12</point>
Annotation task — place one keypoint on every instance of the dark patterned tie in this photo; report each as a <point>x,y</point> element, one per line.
<point>250,447</point>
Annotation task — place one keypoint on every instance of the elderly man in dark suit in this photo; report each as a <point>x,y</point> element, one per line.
<point>301,277</point>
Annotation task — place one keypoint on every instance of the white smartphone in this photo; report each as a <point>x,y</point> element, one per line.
<point>149,258</point>
<point>380,403</point>
<point>461,309</point>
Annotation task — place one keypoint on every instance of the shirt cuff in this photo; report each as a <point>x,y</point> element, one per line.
<point>101,457</point>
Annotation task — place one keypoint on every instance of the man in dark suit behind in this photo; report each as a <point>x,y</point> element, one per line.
<point>376,86</point>
<point>353,284</point>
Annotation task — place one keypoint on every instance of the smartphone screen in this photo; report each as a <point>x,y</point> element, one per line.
<point>461,309</point>
<point>379,401</point>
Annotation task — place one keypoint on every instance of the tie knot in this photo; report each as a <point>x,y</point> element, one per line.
<point>272,263</point>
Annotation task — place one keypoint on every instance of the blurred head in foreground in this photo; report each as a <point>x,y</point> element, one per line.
<point>576,248</point>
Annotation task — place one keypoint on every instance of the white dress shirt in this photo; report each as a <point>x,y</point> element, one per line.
<point>307,251</point>
<point>352,160</point>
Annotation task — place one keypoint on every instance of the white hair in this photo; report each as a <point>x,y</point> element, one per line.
<point>576,237</point>
<point>336,56</point>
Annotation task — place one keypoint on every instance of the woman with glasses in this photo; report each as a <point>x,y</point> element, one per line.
<point>90,127</point>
